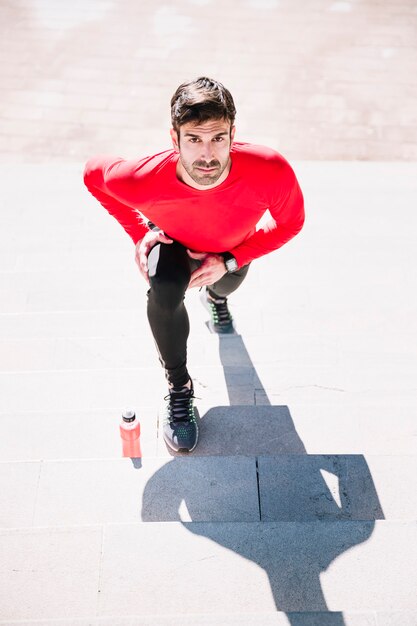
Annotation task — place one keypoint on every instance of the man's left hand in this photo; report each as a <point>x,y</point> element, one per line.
<point>210,271</point>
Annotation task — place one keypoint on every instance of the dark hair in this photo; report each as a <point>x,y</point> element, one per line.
<point>201,100</point>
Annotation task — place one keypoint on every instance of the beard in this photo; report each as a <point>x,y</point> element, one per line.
<point>195,171</point>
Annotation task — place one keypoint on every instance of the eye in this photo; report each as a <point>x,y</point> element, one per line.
<point>194,139</point>
<point>219,139</point>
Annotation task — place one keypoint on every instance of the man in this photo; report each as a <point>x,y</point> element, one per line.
<point>192,213</point>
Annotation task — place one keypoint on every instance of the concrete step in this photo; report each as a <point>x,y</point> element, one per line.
<point>354,425</point>
<point>80,389</point>
<point>177,568</point>
<point>124,340</point>
<point>293,306</point>
<point>362,618</point>
<point>294,319</point>
<point>208,489</point>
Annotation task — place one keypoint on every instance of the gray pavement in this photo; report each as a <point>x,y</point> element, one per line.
<point>298,506</point>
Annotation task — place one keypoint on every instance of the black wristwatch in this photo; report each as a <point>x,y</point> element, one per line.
<point>230,262</point>
<point>152,226</point>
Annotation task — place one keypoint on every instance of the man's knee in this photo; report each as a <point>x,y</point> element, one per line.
<point>166,292</point>
<point>229,282</point>
<point>169,275</point>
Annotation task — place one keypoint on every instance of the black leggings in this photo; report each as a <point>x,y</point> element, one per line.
<point>170,270</point>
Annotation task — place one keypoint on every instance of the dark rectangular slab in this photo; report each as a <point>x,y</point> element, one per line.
<point>317,487</point>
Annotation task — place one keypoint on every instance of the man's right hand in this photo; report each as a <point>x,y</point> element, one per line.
<point>144,246</point>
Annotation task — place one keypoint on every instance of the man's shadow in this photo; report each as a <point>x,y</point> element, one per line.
<point>291,488</point>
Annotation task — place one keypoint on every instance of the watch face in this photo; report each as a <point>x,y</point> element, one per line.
<point>231,265</point>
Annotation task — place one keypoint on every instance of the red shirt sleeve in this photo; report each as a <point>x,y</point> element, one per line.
<point>287,217</point>
<point>104,177</point>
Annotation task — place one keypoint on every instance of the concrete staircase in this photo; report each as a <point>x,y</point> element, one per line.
<point>299,505</point>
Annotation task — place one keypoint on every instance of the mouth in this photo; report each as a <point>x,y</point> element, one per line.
<point>207,169</point>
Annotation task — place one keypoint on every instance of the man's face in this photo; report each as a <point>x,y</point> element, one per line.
<point>204,151</point>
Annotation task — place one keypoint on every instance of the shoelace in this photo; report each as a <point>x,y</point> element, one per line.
<point>220,310</point>
<point>180,405</point>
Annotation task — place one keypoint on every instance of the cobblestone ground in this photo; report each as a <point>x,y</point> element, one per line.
<point>316,79</point>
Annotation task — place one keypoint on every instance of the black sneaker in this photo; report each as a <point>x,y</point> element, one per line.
<point>180,427</point>
<point>221,319</point>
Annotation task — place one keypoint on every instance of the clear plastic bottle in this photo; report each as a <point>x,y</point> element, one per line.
<point>130,434</point>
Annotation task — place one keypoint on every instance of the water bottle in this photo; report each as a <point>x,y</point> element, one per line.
<point>130,434</point>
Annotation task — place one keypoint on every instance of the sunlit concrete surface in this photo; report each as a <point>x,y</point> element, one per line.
<point>298,507</point>
<point>317,79</point>
<point>300,497</point>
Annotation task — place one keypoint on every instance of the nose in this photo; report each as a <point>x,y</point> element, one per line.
<point>207,151</point>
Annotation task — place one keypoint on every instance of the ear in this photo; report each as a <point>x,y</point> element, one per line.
<point>174,138</point>
<point>232,133</point>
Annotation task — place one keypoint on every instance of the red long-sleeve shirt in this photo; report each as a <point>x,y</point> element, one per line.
<point>220,219</point>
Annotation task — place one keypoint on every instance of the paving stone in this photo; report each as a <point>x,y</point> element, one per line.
<point>43,291</point>
<point>219,385</point>
<point>254,619</point>
<point>49,572</point>
<point>398,618</point>
<point>103,388</point>
<point>130,346</point>
<point>83,390</point>
<point>92,434</point>
<point>347,375</point>
<point>371,430</point>
<point>330,422</point>
<point>324,356</point>
<point>76,353</point>
<point>376,558</point>
<point>181,553</point>
<point>340,618</point>
<point>205,489</point>
<point>245,430</point>
<point>314,566</point>
<point>335,488</point>
<point>75,324</point>
<point>364,424</point>
<point>19,486</point>
<point>74,283</point>
<point>187,489</point>
<point>319,114</point>
<point>79,255</point>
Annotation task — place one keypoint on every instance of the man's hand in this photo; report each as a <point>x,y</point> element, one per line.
<point>144,246</point>
<point>210,271</point>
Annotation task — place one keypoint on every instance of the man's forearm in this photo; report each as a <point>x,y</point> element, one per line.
<point>127,216</point>
<point>266,240</point>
